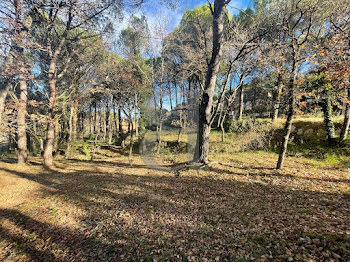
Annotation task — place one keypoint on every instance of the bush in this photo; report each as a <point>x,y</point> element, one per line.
<point>243,126</point>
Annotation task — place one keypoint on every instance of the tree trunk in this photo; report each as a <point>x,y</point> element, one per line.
<point>75,119</point>
<point>288,124</point>
<point>21,121</point>
<point>136,116</point>
<point>222,128</point>
<point>176,98</point>
<point>108,120</point>
<point>70,135</point>
<point>276,106</point>
<point>160,120</point>
<point>205,108</point>
<point>346,125</point>
<point>131,141</point>
<point>23,95</point>
<point>51,125</point>
<point>241,104</point>
<point>327,113</point>
<point>120,120</point>
<point>115,118</point>
<point>180,116</point>
<point>95,119</point>
<point>170,98</point>
<point>3,95</point>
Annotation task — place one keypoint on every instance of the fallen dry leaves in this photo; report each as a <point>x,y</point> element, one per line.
<point>236,209</point>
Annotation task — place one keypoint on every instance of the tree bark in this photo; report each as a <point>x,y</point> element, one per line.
<point>75,119</point>
<point>3,95</point>
<point>277,103</point>
<point>95,118</point>
<point>108,119</point>
<point>241,104</point>
<point>115,118</point>
<point>288,124</point>
<point>136,116</point>
<point>327,113</point>
<point>51,125</point>
<point>176,95</point>
<point>120,120</point>
<point>206,104</point>
<point>346,124</point>
<point>22,154</point>
<point>23,95</point>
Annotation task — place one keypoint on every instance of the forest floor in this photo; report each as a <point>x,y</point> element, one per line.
<point>236,209</point>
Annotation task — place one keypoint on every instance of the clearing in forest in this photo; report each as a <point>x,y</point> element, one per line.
<point>236,209</point>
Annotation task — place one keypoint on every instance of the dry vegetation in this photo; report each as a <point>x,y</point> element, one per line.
<point>236,209</point>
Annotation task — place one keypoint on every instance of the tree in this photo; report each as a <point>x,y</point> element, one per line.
<point>202,147</point>
<point>295,21</point>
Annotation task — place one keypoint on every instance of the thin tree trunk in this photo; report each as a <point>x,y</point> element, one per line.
<point>180,116</point>
<point>70,124</point>
<point>170,97</point>
<point>241,104</point>
<point>136,116</point>
<point>131,141</point>
<point>277,103</point>
<point>21,121</point>
<point>205,108</point>
<point>95,119</point>
<point>288,124</point>
<point>346,124</point>
<point>222,128</point>
<point>108,118</point>
<point>115,117</point>
<point>160,120</point>
<point>23,95</point>
<point>327,113</point>
<point>120,120</point>
<point>90,120</point>
<point>57,136</point>
<point>75,119</point>
<point>3,95</point>
<point>176,95</point>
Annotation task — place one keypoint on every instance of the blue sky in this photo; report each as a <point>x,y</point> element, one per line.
<point>153,9</point>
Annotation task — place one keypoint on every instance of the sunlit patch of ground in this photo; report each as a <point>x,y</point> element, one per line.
<point>236,209</point>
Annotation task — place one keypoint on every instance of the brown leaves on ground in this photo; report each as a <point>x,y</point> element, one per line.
<point>236,209</point>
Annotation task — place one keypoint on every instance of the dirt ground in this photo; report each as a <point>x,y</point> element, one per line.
<point>236,209</point>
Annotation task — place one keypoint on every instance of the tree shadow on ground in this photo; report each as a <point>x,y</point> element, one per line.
<point>162,216</point>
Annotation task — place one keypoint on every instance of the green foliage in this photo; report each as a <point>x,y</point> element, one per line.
<point>242,126</point>
<point>82,147</point>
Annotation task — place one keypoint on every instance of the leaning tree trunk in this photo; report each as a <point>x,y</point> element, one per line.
<point>205,108</point>
<point>327,113</point>
<point>288,124</point>
<point>346,125</point>
<point>277,103</point>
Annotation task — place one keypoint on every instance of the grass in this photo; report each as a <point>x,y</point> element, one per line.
<point>238,208</point>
